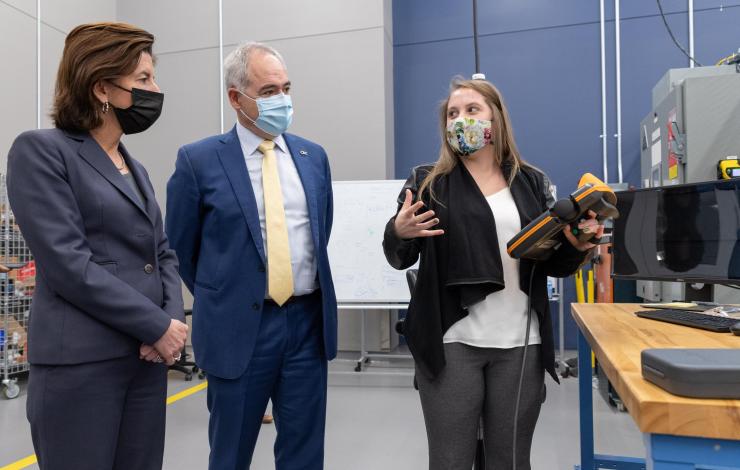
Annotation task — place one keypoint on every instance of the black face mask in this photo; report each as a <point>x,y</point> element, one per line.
<point>145,109</point>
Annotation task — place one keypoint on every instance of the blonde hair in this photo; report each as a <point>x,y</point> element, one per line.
<point>502,135</point>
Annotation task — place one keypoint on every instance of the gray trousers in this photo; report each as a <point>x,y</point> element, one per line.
<point>107,415</point>
<point>475,383</point>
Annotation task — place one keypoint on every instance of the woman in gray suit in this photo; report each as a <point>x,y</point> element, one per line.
<point>107,314</point>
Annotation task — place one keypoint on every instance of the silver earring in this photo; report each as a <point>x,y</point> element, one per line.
<point>106,107</point>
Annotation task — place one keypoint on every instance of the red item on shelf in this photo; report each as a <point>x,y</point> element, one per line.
<point>27,272</point>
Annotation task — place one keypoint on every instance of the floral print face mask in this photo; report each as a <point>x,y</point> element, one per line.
<point>467,135</point>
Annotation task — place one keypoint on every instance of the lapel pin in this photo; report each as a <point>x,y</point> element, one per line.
<point>303,152</point>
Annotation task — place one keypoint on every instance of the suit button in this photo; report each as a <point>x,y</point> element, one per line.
<point>148,269</point>
<point>255,306</point>
<point>261,269</point>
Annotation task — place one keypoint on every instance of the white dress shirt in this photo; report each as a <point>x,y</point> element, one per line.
<point>302,253</point>
<point>499,320</point>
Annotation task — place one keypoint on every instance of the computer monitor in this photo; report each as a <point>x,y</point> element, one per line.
<point>683,233</point>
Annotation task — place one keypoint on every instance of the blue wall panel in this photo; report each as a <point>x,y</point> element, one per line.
<point>553,98</point>
<point>430,20</point>
<point>637,8</point>
<point>647,53</point>
<point>422,78</point>
<point>516,15</point>
<point>718,33</point>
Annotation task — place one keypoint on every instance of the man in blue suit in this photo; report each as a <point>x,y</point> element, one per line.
<point>249,214</point>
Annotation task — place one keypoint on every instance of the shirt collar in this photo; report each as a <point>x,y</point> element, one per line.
<point>250,141</point>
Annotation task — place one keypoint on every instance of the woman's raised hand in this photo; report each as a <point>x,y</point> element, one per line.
<point>410,225</point>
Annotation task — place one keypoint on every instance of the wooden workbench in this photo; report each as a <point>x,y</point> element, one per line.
<point>617,337</point>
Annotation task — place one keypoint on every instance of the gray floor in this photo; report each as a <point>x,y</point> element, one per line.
<point>374,422</point>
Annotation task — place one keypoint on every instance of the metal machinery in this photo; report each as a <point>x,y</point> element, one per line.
<point>693,126</point>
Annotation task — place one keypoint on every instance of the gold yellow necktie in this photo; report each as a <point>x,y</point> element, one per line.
<point>279,270</point>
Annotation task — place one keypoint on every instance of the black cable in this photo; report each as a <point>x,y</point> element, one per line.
<point>475,35</point>
<point>524,363</point>
<point>732,286</point>
<point>662,15</point>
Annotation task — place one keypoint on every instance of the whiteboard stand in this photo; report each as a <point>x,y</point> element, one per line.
<point>365,355</point>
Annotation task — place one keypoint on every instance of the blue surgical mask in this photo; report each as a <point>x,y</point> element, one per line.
<point>275,113</point>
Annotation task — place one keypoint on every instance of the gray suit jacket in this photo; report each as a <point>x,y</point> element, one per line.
<point>106,278</point>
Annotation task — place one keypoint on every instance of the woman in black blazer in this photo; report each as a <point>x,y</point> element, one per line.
<point>478,324</point>
<point>107,314</point>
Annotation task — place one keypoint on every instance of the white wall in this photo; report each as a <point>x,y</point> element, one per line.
<point>18,90</point>
<point>339,55</point>
<point>18,35</point>
<point>339,58</point>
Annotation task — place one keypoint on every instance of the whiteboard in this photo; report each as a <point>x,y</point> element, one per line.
<point>360,271</point>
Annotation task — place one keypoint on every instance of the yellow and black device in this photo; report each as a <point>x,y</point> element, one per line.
<point>537,240</point>
<point>728,168</point>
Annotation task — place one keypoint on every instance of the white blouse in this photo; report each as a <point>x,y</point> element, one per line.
<point>499,320</point>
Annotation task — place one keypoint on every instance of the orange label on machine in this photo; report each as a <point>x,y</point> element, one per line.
<point>672,158</point>
<point>672,166</point>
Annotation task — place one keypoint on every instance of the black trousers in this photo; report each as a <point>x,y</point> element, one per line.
<point>98,416</point>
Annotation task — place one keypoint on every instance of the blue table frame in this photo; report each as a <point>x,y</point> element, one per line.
<point>664,452</point>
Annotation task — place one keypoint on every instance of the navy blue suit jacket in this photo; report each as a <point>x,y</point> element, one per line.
<point>106,278</point>
<point>213,225</point>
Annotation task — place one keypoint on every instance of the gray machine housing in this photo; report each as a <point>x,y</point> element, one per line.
<point>701,106</point>
<point>695,373</point>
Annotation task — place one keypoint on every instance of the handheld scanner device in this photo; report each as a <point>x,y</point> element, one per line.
<point>728,168</point>
<point>538,240</point>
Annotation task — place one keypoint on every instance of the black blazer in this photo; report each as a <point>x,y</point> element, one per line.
<point>434,306</point>
<point>106,278</point>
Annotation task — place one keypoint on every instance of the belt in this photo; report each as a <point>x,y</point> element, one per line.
<point>292,299</point>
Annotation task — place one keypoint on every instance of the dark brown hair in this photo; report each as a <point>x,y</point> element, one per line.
<point>94,52</point>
